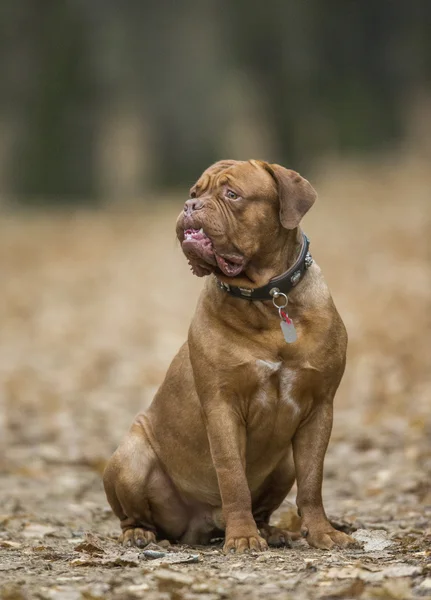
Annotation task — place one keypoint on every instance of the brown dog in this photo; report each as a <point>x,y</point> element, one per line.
<point>241,412</point>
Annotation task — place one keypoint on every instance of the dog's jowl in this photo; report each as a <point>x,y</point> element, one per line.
<point>246,405</point>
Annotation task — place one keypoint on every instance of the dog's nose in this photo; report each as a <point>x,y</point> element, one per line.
<point>193,204</point>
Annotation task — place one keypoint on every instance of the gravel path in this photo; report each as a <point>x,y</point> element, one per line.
<point>93,308</point>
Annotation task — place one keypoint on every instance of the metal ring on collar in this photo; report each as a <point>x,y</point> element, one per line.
<point>279,295</point>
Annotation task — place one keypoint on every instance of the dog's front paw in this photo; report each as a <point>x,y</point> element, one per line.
<point>242,544</point>
<point>327,538</point>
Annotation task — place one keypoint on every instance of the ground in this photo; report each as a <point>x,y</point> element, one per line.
<point>94,306</point>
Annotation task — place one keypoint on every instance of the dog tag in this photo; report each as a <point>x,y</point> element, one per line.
<point>288,329</point>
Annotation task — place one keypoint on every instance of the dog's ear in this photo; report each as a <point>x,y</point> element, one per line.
<point>296,195</point>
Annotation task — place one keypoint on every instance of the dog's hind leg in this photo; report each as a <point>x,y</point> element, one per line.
<point>141,494</point>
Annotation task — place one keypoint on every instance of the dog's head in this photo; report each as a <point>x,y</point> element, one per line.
<point>239,216</point>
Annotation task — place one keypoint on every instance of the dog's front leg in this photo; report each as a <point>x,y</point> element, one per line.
<point>227,438</point>
<point>309,448</point>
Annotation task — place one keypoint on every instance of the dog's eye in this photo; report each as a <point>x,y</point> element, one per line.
<point>231,195</point>
<point>192,194</point>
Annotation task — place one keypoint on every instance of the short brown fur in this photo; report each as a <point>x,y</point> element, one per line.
<point>241,413</point>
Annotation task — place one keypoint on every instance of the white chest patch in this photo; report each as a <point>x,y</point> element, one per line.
<point>267,365</point>
<point>287,384</point>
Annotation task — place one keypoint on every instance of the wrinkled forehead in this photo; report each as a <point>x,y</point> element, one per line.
<point>245,177</point>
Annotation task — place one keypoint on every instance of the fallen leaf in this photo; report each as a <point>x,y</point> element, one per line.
<point>373,540</point>
<point>141,587</point>
<point>426,584</point>
<point>129,559</point>
<point>84,562</point>
<point>392,590</point>
<point>13,591</point>
<point>352,573</point>
<point>121,561</point>
<point>373,576</point>
<point>289,519</point>
<point>351,590</point>
<point>91,545</point>
<point>402,570</point>
<point>36,530</point>
<point>59,593</point>
<point>153,554</point>
<point>174,558</point>
<point>168,579</point>
<point>243,576</point>
<point>96,592</point>
<point>9,544</point>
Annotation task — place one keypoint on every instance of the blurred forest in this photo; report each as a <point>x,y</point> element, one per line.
<point>106,99</point>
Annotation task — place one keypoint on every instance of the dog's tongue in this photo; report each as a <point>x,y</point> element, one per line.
<point>229,268</point>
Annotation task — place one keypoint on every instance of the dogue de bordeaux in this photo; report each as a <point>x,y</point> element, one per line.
<point>246,405</point>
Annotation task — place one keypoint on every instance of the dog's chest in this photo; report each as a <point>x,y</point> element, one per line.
<point>278,388</point>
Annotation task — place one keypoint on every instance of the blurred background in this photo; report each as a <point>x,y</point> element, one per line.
<point>108,113</point>
<point>105,100</point>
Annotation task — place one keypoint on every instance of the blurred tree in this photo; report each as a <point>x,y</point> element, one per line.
<point>338,73</point>
<point>53,155</point>
<point>107,98</point>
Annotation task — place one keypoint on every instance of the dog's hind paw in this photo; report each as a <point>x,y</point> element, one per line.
<point>277,537</point>
<point>137,537</point>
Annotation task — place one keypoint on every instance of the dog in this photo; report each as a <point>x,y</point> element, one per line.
<point>246,406</point>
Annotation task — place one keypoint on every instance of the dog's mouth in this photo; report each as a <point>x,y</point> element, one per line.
<point>203,259</point>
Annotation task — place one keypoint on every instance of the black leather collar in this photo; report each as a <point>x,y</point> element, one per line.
<point>283,283</point>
